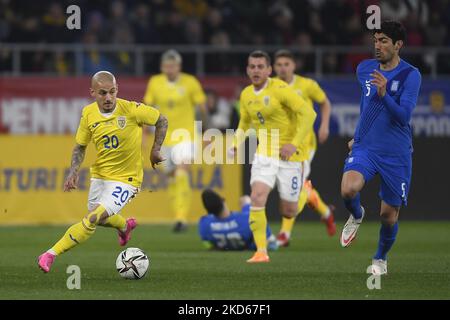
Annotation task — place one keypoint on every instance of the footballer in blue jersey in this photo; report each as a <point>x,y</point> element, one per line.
<point>225,230</point>
<point>382,144</point>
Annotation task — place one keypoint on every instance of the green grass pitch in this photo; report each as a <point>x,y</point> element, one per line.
<point>312,267</point>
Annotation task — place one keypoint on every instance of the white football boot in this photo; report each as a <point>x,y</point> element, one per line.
<point>378,267</point>
<point>350,228</point>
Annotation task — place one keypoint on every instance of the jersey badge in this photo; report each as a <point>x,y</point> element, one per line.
<point>121,122</point>
<point>394,86</point>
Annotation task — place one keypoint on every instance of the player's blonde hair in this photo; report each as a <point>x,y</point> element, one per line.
<point>171,55</point>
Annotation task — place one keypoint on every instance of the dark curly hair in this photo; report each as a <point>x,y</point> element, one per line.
<point>393,29</point>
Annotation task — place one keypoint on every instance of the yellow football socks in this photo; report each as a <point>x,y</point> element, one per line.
<point>181,195</point>
<point>115,221</point>
<point>78,233</point>
<point>287,224</point>
<point>317,204</point>
<point>258,225</point>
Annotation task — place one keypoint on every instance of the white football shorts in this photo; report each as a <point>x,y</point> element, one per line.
<point>288,175</point>
<point>307,166</point>
<point>181,153</point>
<point>112,195</point>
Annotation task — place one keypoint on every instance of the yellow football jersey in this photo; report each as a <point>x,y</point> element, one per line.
<point>177,101</point>
<point>310,90</point>
<point>277,107</point>
<point>117,139</point>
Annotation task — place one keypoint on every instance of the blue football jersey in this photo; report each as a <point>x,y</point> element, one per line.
<point>231,233</point>
<point>384,123</point>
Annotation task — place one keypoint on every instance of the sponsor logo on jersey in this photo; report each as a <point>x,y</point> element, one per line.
<point>266,100</point>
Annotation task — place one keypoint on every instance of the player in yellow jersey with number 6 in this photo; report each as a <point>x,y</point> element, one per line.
<point>115,127</point>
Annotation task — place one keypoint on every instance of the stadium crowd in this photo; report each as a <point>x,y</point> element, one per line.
<point>222,23</point>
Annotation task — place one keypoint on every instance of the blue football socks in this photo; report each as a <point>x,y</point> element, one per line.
<point>387,238</point>
<point>354,206</point>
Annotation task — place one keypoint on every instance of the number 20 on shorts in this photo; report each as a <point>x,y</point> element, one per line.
<point>121,195</point>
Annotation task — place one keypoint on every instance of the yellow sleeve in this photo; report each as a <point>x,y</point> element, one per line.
<point>316,93</point>
<point>198,97</point>
<point>244,123</point>
<point>145,114</point>
<point>149,97</point>
<point>83,136</point>
<point>305,114</point>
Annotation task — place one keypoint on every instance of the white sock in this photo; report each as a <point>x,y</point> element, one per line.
<point>327,215</point>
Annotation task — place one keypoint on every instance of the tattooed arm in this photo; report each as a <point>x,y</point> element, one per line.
<point>77,159</point>
<point>160,133</point>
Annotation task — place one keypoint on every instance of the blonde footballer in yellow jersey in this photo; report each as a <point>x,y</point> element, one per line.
<point>177,95</point>
<point>277,113</point>
<point>309,89</point>
<point>115,127</point>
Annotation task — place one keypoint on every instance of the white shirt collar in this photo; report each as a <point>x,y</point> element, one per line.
<point>263,87</point>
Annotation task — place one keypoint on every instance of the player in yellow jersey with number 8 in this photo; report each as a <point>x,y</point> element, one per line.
<point>282,120</point>
<point>115,127</point>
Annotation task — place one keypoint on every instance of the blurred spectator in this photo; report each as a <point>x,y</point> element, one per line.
<point>414,36</point>
<point>54,25</point>
<point>191,8</point>
<point>334,16</point>
<point>143,25</point>
<point>60,65</point>
<point>353,59</point>
<point>95,24</point>
<point>93,60</point>
<point>5,60</point>
<point>435,31</point>
<point>6,19</point>
<point>221,62</point>
<point>173,29</point>
<point>282,34</point>
<point>316,28</point>
<point>330,63</point>
<point>118,27</point>
<point>419,8</point>
<point>193,32</point>
<point>213,23</point>
<point>305,61</point>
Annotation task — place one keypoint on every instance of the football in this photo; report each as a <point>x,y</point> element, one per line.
<point>132,263</point>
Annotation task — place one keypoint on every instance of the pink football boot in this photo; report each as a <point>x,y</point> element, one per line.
<point>45,261</point>
<point>124,237</point>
